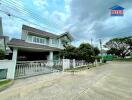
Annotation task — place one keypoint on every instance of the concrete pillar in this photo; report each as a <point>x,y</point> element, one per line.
<point>66,64</point>
<point>59,43</point>
<point>14,60</point>
<point>100,60</point>
<point>50,42</point>
<point>51,63</point>
<point>74,63</point>
<point>51,56</point>
<point>14,56</point>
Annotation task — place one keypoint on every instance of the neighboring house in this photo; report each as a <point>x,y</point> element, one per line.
<point>36,44</point>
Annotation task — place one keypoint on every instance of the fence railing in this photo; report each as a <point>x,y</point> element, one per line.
<point>30,68</point>
<point>77,63</point>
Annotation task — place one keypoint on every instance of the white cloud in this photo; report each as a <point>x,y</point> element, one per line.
<point>91,19</point>
<point>40,3</point>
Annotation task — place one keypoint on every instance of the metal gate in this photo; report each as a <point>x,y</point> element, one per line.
<point>31,68</point>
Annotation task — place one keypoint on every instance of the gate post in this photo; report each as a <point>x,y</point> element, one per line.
<point>14,60</point>
<point>74,63</point>
<point>66,64</point>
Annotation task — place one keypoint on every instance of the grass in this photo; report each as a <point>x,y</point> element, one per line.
<point>82,68</point>
<point>5,84</point>
<point>79,68</point>
<point>122,60</point>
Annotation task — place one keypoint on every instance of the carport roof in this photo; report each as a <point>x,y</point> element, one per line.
<point>21,44</point>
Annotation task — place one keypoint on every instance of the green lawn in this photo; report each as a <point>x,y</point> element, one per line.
<point>121,59</point>
<point>79,68</point>
<point>5,84</point>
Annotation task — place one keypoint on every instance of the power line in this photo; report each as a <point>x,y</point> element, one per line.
<point>8,14</point>
<point>23,11</point>
<point>29,11</point>
<point>18,9</point>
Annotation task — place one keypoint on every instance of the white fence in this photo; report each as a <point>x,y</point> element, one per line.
<point>21,69</point>
<point>79,63</point>
<point>30,68</point>
<point>73,63</point>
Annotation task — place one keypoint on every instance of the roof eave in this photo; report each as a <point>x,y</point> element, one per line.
<point>23,47</point>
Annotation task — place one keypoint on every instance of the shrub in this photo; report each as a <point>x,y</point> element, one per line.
<point>2,54</point>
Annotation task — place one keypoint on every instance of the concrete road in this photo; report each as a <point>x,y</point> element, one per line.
<point>112,81</point>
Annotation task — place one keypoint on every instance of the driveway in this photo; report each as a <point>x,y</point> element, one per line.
<point>112,81</point>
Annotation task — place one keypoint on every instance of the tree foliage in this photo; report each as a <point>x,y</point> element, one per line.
<point>119,46</point>
<point>84,52</point>
<point>69,52</point>
<point>2,54</point>
<point>96,51</point>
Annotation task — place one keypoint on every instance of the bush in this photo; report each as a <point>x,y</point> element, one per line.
<point>2,54</point>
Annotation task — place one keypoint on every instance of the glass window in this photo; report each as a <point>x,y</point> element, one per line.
<point>44,41</point>
<point>30,38</point>
<point>54,41</point>
<point>34,39</point>
<point>39,40</point>
<point>3,73</point>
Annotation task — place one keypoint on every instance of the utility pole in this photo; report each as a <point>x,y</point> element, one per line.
<point>91,41</point>
<point>1,28</point>
<point>101,48</point>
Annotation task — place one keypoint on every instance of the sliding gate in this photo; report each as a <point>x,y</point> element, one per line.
<point>31,68</point>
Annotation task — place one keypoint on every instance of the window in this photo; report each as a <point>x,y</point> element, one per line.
<point>39,40</point>
<point>34,39</point>
<point>3,73</point>
<point>30,38</point>
<point>54,41</point>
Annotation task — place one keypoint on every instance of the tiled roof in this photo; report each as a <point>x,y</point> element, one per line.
<point>2,37</point>
<point>39,32</point>
<point>25,45</point>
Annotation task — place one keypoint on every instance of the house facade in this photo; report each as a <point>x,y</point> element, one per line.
<point>36,44</point>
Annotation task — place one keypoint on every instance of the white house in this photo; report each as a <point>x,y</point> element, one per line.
<point>36,44</point>
<point>35,53</point>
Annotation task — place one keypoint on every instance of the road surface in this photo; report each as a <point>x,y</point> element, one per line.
<point>112,81</point>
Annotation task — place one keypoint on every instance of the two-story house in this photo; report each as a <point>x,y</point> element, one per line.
<point>36,44</point>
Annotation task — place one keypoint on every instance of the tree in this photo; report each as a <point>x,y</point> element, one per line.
<point>69,52</point>
<point>119,46</point>
<point>2,54</point>
<point>86,52</point>
<point>96,51</point>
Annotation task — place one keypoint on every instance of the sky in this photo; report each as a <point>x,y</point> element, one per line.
<point>86,20</point>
